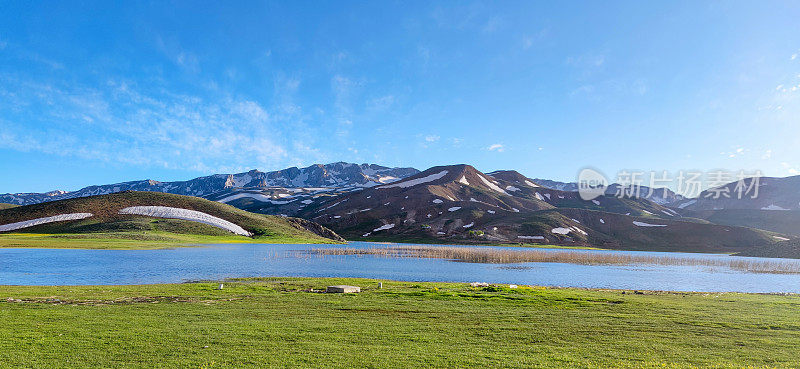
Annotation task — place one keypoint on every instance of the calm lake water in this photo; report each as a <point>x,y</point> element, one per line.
<point>214,262</point>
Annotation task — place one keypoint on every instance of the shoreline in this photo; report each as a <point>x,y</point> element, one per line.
<point>245,280</point>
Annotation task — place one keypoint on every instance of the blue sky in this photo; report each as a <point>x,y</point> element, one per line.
<point>101,92</point>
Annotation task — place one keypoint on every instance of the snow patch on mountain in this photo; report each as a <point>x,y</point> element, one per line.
<point>254,196</point>
<point>491,185</point>
<point>773,207</point>
<point>560,230</point>
<point>416,181</point>
<point>185,214</point>
<point>44,220</point>
<point>384,227</point>
<point>643,224</point>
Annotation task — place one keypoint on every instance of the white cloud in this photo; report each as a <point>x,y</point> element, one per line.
<point>767,154</point>
<point>588,60</point>
<point>794,56</point>
<point>381,103</point>
<point>124,123</point>
<point>496,147</point>
<point>790,168</point>
<point>432,138</point>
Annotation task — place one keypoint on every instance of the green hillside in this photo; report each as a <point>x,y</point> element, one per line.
<point>109,229</point>
<point>6,206</point>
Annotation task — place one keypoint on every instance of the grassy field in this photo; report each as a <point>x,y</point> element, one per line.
<point>136,241</point>
<point>282,323</point>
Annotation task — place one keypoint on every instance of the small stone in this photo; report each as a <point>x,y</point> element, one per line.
<point>479,284</point>
<point>343,289</point>
<point>512,286</point>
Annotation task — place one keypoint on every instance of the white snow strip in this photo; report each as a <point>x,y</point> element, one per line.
<point>773,207</point>
<point>666,212</point>
<point>185,214</point>
<point>596,202</point>
<point>490,211</point>
<point>529,183</point>
<point>463,181</point>
<point>384,227</point>
<point>454,208</point>
<point>547,195</point>
<point>337,216</point>
<point>254,196</point>
<point>515,210</point>
<point>469,225</point>
<point>531,237</point>
<point>602,221</point>
<point>307,201</point>
<point>512,188</point>
<point>685,204</point>
<point>539,196</point>
<point>492,185</point>
<point>576,229</point>
<point>438,201</point>
<point>575,220</point>
<point>37,221</point>
<point>643,224</point>
<point>416,181</point>
<point>440,233</point>
<point>645,211</point>
<point>781,238</point>
<point>366,234</point>
<point>560,230</point>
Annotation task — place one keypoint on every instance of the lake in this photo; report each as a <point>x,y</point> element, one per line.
<point>23,266</point>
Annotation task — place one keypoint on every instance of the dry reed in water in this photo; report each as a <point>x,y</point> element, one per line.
<point>504,256</point>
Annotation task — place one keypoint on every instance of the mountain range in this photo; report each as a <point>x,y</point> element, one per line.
<point>459,204</point>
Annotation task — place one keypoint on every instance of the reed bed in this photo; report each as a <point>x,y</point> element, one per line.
<point>503,256</point>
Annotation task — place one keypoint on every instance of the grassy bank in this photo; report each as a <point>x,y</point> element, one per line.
<point>281,323</point>
<point>136,240</point>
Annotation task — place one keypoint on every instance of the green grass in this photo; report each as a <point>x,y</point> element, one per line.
<point>7,206</point>
<point>280,323</point>
<point>135,240</point>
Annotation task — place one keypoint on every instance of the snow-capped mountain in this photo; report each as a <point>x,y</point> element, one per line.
<point>458,204</point>
<point>763,193</point>
<point>661,196</point>
<point>278,185</point>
